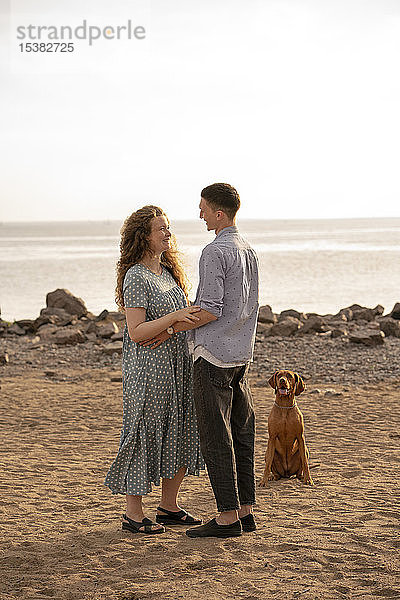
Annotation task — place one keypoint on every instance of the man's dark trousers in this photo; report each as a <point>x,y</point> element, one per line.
<point>226,422</point>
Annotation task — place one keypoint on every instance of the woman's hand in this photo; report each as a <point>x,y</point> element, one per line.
<point>186,314</point>
<point>156,340</point>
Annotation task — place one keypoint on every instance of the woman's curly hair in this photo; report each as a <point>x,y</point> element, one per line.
<point>134,244</point>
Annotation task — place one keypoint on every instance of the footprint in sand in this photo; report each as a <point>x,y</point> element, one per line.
<point>48,592</point>
<point>350,473</point>
<point>388,593</point>
<point>203,564</point>
<point>286,547</point>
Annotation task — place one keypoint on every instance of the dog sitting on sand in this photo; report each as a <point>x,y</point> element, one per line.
<point>287,453</point>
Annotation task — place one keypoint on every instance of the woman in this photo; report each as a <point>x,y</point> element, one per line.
<point>159,435</point>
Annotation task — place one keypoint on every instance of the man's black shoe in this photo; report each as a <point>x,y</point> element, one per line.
<point>248,522</point>
<point>212,529</point>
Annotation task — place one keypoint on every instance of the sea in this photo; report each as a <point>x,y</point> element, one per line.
<point>316,266</point>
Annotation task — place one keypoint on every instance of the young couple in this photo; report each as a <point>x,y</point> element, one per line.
<point>175,404</point>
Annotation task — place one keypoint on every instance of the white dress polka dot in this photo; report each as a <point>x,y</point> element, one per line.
<point>159,432</point>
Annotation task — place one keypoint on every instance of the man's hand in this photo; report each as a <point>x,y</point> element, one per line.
<point>202,318</point>
<point>156,340</point>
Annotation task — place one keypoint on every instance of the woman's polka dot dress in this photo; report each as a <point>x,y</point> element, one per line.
<point>159,433</point>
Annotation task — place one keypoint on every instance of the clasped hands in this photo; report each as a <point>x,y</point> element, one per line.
<point>183,315</point>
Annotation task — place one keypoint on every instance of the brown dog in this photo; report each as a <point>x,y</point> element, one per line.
<point>287,453</point>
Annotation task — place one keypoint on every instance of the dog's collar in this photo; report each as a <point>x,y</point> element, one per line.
<point>278,405</point>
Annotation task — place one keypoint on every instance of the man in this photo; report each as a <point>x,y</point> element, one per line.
<point>228,291</point>
<point>222,342</point>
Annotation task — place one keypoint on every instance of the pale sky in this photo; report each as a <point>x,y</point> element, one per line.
<point>294,102</point>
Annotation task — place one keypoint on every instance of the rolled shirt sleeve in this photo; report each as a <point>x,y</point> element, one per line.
<point>210,294</point>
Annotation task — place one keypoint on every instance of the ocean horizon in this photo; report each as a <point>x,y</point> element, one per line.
<point>312,265</point>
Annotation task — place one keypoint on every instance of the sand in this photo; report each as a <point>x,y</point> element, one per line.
<point>61,536</point>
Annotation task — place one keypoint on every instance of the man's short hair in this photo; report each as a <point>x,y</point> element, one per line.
<point>222,196</point>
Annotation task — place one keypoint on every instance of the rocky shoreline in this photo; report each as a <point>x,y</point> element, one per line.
<point>357,345</point>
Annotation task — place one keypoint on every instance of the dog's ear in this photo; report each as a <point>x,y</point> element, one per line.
<point>272,380</point>
<point>300,387</point>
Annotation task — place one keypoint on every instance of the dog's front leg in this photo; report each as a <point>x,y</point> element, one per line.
<point>269,456</point>
<point>304,460</point>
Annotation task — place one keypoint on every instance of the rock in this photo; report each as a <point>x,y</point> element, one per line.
<point>68,336</point>
<point>378,310</point>
<point>339,331</point>
<point>283,328</point>
<point>345,312</point>
<point>62,298</point>
<point>27,325</point>
<point>266,315</point>
<point>35,347</point>
<point>46,320</point>
<point>389,326</point>
<point>4,358</point>
<point>54,316</point>
<point>292,313</point>
<point>335,319</point>
<point>57,312</point>
<point>113,347</point>
<point>355,312</point>
<point>50,373</point>
<point>324,334</point>
<point>262,328</point>
<point>116,315</point>
<point>106,330</point>
<point>338,326</point>
<point>110,317</point>
<point>355,307</point>
<point>395,314</point>
<point>91,337</point>
<point>46,331</point>
<point>314,324</point>
<point>116,337</point>
<point>364,314</point>
<point>368,337</point>
<point>103,315</point>
<point>15,329</point>
<point>371,325</point>
<point>89,327</point>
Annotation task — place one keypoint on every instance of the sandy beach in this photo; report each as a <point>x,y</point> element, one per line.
<point>61,535</point>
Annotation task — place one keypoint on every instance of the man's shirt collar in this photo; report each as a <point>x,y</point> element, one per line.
<point>230,229</point>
